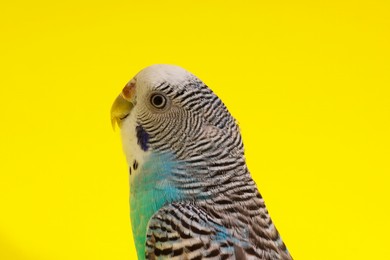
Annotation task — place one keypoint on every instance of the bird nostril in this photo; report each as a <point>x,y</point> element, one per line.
<point>128,90</point>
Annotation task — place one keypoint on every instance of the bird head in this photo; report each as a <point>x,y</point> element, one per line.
<point>152,89</point>
<point>165,108</point>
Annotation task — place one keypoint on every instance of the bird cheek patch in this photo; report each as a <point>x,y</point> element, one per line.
<point>129,90</point>
<point>142,138</point>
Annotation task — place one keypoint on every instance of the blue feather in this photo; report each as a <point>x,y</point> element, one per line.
<point>150,190</point>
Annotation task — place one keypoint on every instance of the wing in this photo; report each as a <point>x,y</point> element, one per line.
<point>185,231</point>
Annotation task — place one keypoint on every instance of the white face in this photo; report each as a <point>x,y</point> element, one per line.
<point>147,101</point>
<point>133,152</point>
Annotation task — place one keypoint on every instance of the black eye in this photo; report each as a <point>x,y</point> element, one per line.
<point>158,101</point>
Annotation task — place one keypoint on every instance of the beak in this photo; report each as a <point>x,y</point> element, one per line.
<point>123,105</point>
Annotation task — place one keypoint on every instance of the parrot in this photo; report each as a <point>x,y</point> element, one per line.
<point>191,193</point>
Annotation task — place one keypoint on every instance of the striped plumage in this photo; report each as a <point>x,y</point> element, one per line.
<point>191,194</point>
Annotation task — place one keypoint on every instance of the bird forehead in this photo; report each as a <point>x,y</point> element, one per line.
<point>156,76</point>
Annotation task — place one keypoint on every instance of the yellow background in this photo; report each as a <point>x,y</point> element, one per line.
<point>308,82</point>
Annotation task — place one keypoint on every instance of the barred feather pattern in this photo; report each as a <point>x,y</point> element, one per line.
<point>221,214</point>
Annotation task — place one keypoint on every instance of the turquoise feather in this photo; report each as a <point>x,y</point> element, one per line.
<point>149,191</point>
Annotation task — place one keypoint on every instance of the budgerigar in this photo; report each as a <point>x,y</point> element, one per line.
<point>191,194</point>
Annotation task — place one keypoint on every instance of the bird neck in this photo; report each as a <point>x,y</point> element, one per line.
<point>150,190</point>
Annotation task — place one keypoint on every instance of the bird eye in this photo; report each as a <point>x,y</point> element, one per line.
<point>158,101</point>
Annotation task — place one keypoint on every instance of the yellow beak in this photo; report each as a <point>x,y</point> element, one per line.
<point>122,105</point>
